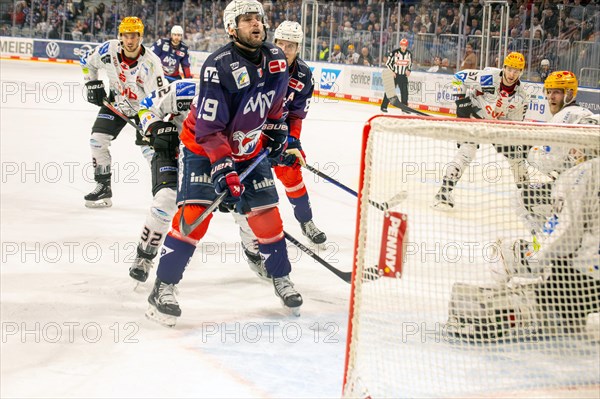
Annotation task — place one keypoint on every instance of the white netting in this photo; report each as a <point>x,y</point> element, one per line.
<point>453,324</point>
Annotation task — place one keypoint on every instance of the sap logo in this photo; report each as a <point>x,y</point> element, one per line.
<point>262,103</point>
<point>211,75</point>
<point>328,78</point>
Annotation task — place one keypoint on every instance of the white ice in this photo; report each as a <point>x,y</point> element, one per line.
<point>72,324</point>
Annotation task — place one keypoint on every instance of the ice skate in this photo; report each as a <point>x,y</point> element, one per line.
<point>443,200</point>
<point>257,265</point>
<point>163,306</point>
<point>139,268</point>
<point>284,289</point>
<point>311,231</point>
<point>100,197</point>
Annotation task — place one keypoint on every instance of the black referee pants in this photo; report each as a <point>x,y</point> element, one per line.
<point>400,81</point>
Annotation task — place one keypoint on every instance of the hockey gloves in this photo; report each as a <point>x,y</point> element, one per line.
<point>465,108</point>
<point>95,92</point>
<point>226,179</point>
<point>164,137</point>
<point>277,134</point>
<point>293,155</point>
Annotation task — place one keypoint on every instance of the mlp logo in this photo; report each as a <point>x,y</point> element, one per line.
<point>328,78</point>
<point>245,143</point>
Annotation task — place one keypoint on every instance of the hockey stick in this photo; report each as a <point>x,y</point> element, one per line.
<point>395,200</point>
<point>186,228</point>
<point>121,115</point>
<point>389,87</point>
<point>346,276</point>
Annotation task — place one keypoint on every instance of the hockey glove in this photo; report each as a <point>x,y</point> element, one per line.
<point>226,179</point>
<point>464,108</point>
<point>95,92</point>
<point>277,134</point>
<point>293,155</point>
<point>164,137</point>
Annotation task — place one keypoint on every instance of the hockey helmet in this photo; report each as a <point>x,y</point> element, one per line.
<point>404,42</point>
<point>562,80</point>
<point>177,30</point>
<point>515,60</point>
<point>290,31</point>
<point>240,7</point>
<point>131,25</point>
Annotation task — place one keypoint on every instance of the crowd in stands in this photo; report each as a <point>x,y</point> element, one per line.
<point>353,32</point>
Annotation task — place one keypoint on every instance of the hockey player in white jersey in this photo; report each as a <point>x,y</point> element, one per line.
<point>133,72</point>
<point>161,115</point>
<point>494,94</point>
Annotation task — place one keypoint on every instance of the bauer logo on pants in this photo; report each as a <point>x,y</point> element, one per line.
<point>393,244</point>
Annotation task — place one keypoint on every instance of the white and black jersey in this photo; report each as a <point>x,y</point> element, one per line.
<point>399,62</point>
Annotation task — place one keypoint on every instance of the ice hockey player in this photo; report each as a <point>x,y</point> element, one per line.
<point>173,53</point>
<point>172,103</point>
<point>239,110</point>
<point>133,73</point>
<point>494,94</point>
<point>288,37</point>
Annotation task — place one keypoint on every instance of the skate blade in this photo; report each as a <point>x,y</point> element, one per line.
<point>164,319</point>
<point>103,203</point>
<point>292,311</point>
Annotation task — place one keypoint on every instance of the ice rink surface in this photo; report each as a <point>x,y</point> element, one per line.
<point>72,323</point>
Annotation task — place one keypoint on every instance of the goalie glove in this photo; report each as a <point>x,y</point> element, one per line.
<point>95,92</point>
<point>277,134</point>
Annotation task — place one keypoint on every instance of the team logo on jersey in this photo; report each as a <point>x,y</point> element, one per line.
<point>262,103</point>
<point>487,80</point>
<point>328,78</point>
<point>259,71</point>
<point>296,84</point>
<point>245,143</point>
<point>104,48</point>
<point>165,47</point>
<point>52,50</point>
<point>211,75</point>
<point>275,50</point>
<point>277,66</point>
<point>242,78</point>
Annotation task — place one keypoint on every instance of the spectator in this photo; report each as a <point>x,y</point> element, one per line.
<point>337,56</point>
<point>324,51</point>
<point>445,68</point>
<point>470,60</point>
<point>365,58</point>
<point>543,71</point>
<point>352,56</point>
<point>437,65</point>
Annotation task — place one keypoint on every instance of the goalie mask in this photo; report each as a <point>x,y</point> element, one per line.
<point>235,9</point>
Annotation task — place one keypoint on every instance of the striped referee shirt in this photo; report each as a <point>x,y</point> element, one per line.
<point>399,61</point>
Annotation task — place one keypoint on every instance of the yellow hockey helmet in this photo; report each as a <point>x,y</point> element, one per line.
<point>561,80</point>
<point>131,25</point>
<point>515,60</point>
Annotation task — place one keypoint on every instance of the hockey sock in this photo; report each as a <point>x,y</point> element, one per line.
<point>276,258</point>
<point>302,209</point>
<point>174,257</point>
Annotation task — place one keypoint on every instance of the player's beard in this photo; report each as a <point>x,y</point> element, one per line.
<point>252,39</point>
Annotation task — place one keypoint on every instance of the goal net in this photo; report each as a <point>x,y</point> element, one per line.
<point>462,301</point>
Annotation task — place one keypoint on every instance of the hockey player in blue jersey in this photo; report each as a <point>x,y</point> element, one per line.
<point>173,53</point>
<point>239,112</point>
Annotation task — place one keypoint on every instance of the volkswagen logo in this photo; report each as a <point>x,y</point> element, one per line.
<point>52,50</point>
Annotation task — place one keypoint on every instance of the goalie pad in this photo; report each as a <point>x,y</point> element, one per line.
<point>488,314</point>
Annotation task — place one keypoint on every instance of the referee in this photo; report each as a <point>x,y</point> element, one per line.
<point>400,62</point>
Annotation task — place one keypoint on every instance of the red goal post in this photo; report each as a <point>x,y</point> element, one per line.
<point>412,328</point>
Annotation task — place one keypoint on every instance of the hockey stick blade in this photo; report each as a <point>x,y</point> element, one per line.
<point>389,87</point>
<point>186,228</point>
<point>121,115</point>
<point>346,276</point>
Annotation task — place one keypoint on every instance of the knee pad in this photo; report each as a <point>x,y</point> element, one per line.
<point>99,143</point>
<point>191,213</point>
<point>292,180</point>
<point>266,225</point>
<point>164,173</point>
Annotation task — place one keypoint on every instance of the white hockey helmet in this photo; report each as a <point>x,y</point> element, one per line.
<point>240,7</point>
<point>290,31</point>
<point>177,30</point>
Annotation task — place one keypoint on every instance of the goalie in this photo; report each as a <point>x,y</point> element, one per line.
<point>551,290</point>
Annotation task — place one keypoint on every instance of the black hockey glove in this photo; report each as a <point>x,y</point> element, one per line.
<point>164,137</point>
<point>277,133</point>
<point>95,92</point>
<point>225,178</point>
<point>465,108</point>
